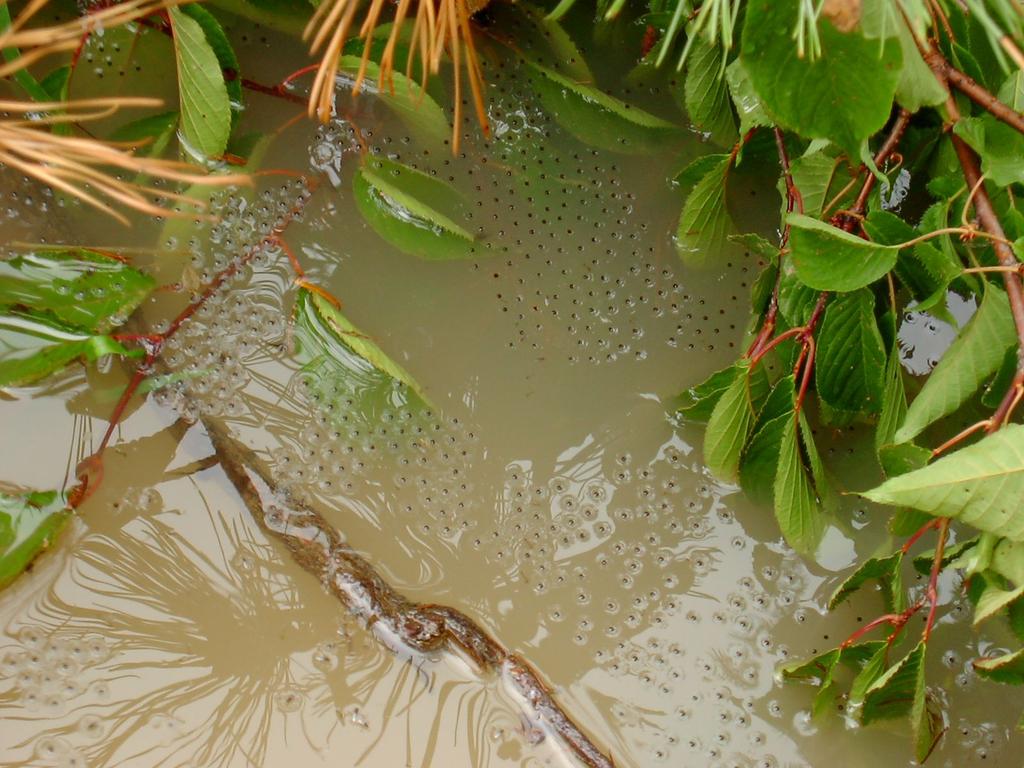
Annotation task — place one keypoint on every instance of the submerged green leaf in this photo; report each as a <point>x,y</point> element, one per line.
<point>980,485</point>
<point>152,133</point>
<point>29,524</point>
<point>80,287</point>
<point>328,334</point>
<point>411,210</point>
<point>406,98</point>
<point>32,348</point>
<point>598,119</point>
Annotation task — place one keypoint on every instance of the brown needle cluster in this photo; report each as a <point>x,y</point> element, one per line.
<point>439,26</point>
<point>90,169</point>
<point>34,43</point>
<point>99,173</point>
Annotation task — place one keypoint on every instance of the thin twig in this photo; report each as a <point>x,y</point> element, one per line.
<point>974,90</point>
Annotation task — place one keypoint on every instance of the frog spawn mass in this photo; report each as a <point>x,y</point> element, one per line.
<point>622,547</point>
<point>608,557</point>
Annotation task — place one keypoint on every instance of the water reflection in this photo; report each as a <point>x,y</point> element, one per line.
<point>175,637</point>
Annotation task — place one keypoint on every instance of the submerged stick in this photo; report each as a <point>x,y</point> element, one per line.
<point>318,548</point>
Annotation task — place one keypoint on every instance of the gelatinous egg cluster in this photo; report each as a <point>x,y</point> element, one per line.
<point>53,674</point>
<point>211,355</point>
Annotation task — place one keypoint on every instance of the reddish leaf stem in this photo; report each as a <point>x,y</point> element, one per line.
<point>855,213</point>
<point>932,593</point>
<point>892,619</point>
<point>961,436</point>
<point>918,534</point>
<point>153,344</point>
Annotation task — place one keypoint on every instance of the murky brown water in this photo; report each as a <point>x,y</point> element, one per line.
<point>546,495</point>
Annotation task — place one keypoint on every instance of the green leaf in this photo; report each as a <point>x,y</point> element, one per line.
<point>222,49</point>
<point>845,95</point>
<point>980,485</point>
<point>869,673</point>
<point>975,355</point>
<point>1001,148</point>
<point>900,458</point>
<point>731,420</point>
<point>761,291</point>
<point>706,95</point>
<point>760,461</point>
<point>905,522</point>
<point>923,562</point>
<point>930,266</point>
<point>884,570</point>
<point>697,169</point>
<point>32,348</point>
<point>411,210</point>
<point>813,174</point>
<point>820,670</point>
<point>796,507</point>
<point>761,454</point>
<point>897,692</point>
<point>598,119</point>
<point>828,259</point>
<point>917,86</point>
<point>406,98</point>
<point>327,333</point>
<point>699,400</point>
<point>1015,618</point>
<point>152,133</point>
<point>23,77</point>
<point>1008,560</point>
<point>827,499</point>
<point>894,400</point>
<point>1008,668</point>
<point>205,105</point>
<point>757,245</point>
<point>850,363</point>
<point>744,98</point>
<point>79,287</point>
<point>56,83</point>
<point>796,300</point>
<point>993,599</point>
<point>975,560</point>
<point>704,220</point>
<point>1000,383</point>
<point>28,525</point>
